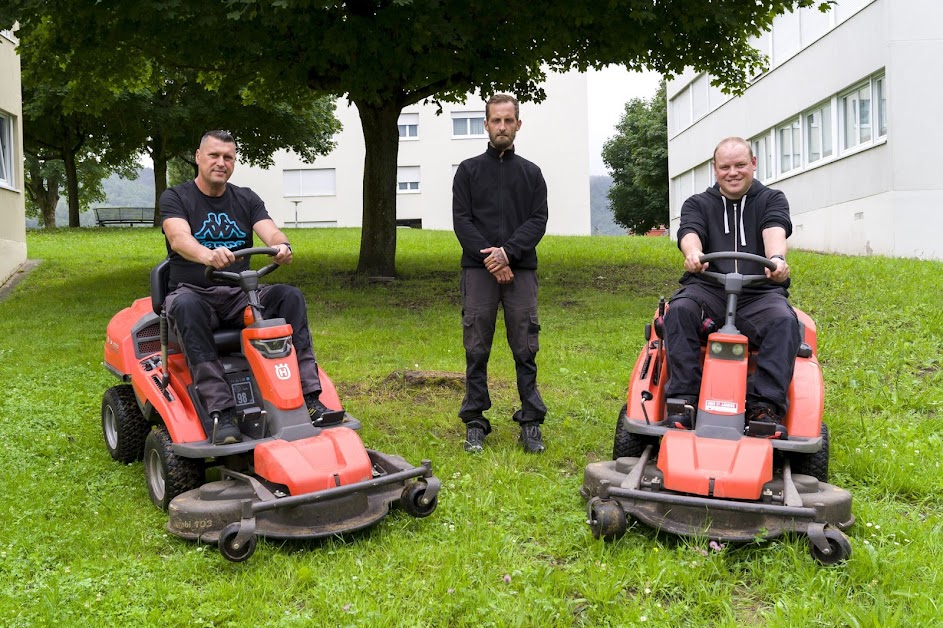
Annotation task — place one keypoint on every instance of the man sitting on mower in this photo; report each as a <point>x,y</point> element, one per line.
<point>204,220</point>
<point>737,213</point>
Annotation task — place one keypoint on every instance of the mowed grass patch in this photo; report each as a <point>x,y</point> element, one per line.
<point>508,545</point>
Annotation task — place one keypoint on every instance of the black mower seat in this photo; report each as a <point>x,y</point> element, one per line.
<point>227,340</point>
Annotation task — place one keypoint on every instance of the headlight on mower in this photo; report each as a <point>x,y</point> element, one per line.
<point>738,350</point>
<point>274,347</point>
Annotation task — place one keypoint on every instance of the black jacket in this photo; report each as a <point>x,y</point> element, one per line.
<point>499,201</point>
<point>725,225</point>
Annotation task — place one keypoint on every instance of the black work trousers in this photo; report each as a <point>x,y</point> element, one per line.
<point>196,312</point>
<point>766,319</point>
<point>481,295</point>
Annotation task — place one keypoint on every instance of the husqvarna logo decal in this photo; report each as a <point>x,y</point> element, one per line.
<point>282,371</point>
<point>220,230</point>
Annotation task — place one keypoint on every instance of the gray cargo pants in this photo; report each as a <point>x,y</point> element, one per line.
<point>481,294</point>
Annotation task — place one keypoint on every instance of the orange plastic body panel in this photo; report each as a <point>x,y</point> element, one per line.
<point>738,468</point>
<point>335,457</point>
<point>328,396</point>
<point>724,382</point>
<point>119,350</point>
<point>806,399</point>
<point>278,378</point>
<point>811,335</point>
<point>656,372</point>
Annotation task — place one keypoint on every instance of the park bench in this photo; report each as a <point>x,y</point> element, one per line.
<point>124,216</point>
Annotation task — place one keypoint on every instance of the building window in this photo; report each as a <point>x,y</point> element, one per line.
<point>9,35</point>
<point>407,179</point>
<point>790,147</point>
<point>880,101</point>
<point>468,124</point>
<point>680,110</point>
<point>856,116</point>
<point>785,37</point>
<point>818,133</point>
<point>699,101</point>
<point>309,182</point>
<point>763,151</point>
<point>408,125</point>
<point>6,150</point>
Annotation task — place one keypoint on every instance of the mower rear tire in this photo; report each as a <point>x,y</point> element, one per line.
<point>606,519</point>
<point>123,425</point>
<point>839,546</point>
<point>626,444</point>
<point>166,473</point>
<point>227,547</point>
<point>815,464</point>
<point>411,500</point>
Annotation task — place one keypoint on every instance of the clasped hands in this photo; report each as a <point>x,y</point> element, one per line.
<point>496,261</point>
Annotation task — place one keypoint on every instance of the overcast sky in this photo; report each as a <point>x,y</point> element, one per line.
<point>609,90</point>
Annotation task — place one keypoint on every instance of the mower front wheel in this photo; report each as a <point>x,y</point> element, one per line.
<point>231,549</point>
<point>123,425</point>
<point>166,473</point>
<point>606,519</point>
<point>839,547</point>
<point>412,500</point>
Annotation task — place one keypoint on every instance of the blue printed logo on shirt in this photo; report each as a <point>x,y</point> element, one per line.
<point>219,230</point>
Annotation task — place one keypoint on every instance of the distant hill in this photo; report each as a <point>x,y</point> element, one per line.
<point>119,193</point>
<point>601,215</point>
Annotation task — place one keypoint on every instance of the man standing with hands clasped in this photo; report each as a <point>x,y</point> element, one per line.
<point>499,212</point>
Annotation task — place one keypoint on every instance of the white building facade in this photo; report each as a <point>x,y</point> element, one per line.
<point>12,212</point>
<point>329,192</point>
<point>843,123</point>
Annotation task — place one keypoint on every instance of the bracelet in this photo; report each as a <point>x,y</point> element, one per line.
<point>771,257</point>
<point>286,244</point>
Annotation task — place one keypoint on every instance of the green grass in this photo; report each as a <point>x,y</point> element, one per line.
<point>80,542</point>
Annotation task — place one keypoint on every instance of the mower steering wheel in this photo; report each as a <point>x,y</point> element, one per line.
<point>226,276</point>
<point>747,280</point>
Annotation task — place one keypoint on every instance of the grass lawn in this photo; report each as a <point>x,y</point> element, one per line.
<point>81,544</point>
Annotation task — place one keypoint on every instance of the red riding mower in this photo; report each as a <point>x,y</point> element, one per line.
<point>716,481</point>
<point>288,478</point>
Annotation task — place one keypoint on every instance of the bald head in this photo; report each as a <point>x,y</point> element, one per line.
<point>734,142</point>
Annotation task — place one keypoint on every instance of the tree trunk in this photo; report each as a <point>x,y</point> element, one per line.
<point>72,184</point>
<point>378,238</point>
<point>44,194</point>
<point>160,184</point>
<point>48,201</point>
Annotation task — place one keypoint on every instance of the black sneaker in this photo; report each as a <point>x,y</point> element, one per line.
<point>320,414</point>
<point>531,439</point>
<point>474,439</point>
<point>223,429</point>
<point>764,421</point>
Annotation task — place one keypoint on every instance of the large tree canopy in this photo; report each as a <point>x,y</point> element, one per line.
<point>637,156</point>
<point>386,54</point>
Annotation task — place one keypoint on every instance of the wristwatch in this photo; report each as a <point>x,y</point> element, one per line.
<point>777,256</point>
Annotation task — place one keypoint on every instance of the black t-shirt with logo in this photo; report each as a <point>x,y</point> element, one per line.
<point>215,221</point>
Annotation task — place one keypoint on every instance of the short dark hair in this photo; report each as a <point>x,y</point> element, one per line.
<point>502,98</point>
<point>219,134</point>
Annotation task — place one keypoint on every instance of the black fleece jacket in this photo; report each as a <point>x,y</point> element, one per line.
<point>725,225</point>
<point>499,201</point>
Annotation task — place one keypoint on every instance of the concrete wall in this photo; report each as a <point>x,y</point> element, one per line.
<point>12,216</point>
<point>554,135</point>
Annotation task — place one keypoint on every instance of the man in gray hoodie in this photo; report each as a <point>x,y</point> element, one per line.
<point>737,213</point>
